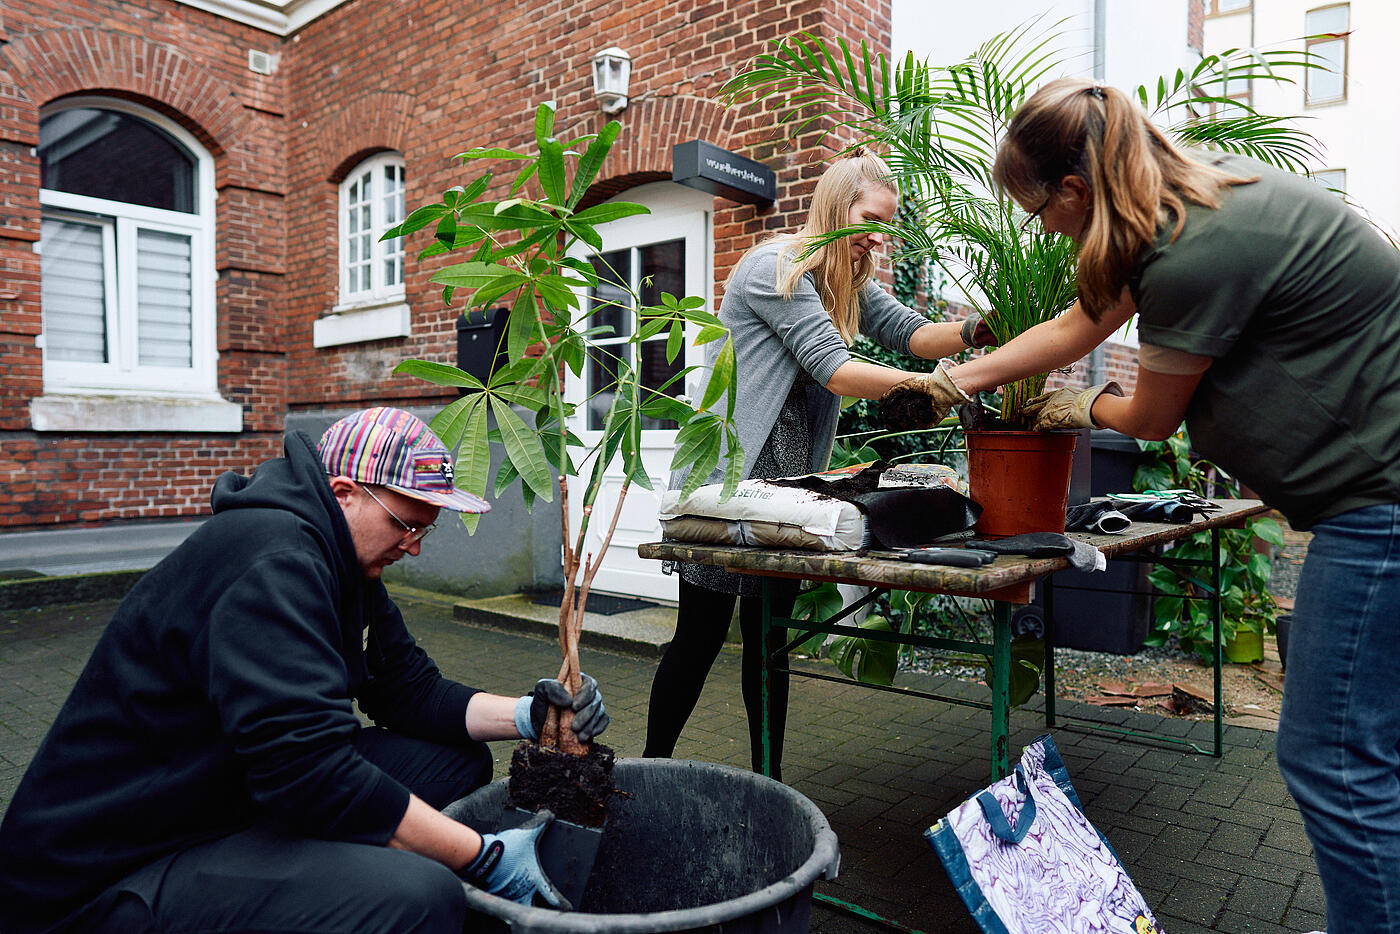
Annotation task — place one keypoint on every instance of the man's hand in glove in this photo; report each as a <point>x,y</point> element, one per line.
<point>1067,408</point>
<point>509,864</point>
<point>976,334</point>
<point>920,401</point>
<point>590,718</point>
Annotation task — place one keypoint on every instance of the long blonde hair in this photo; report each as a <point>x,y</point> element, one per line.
<point>839,280</point>
<point>1134,174</point>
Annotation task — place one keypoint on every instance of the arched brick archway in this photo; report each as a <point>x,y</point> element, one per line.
<point>371,123</point>
<point>59,63</point>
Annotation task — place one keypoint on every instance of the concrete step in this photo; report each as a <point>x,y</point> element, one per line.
<point>644,632</point>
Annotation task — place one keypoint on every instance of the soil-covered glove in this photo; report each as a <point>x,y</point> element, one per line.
<point>590,718</point>
<point>975,332</point>
<point>1067,408</point>
<point>509,864</point>
<point>920,401</point>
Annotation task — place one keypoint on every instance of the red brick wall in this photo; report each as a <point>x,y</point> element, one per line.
<point>192,67</point>
<point>427,78</point>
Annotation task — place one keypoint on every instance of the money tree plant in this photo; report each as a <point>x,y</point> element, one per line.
<point>516,251</point>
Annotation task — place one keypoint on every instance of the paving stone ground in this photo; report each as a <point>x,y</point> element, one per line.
<point>1214,844</point>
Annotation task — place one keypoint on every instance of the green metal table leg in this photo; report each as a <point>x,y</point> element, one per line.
<point>1216,612</point>
<point>1001,689</point>
<point>1048,608</point>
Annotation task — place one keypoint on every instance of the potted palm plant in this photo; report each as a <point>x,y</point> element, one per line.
<point>939,127</point>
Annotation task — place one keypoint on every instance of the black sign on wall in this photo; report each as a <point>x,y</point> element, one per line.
<point>706,167</point>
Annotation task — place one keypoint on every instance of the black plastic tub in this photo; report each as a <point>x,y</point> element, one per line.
<point>688,846</point>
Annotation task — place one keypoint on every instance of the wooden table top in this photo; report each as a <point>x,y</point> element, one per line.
<point>1009,577</point>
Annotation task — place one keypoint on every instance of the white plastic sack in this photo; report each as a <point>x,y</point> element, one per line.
<point>761,513</point>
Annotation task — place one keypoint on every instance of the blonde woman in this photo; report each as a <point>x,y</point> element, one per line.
<point>792,320</point>
<point>1269,319</point>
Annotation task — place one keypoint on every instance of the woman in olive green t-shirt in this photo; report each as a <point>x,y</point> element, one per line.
<point>1269,318</point>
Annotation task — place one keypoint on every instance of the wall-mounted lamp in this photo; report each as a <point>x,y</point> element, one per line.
<point>612,68</point>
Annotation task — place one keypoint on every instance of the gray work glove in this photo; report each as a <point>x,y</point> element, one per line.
<point>975,333</point>
<point>1067,408</point>
<point>509,864</point>
<point>920,401</point>
<point>590,718</point>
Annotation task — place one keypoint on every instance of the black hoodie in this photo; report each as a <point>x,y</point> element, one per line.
<point>221,692</point>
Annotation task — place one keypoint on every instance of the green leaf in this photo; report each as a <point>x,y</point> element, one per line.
<point>490,152</point>
<point>675,342</point>
<point>866,660</point>
<point>591,161</point>
<point>722,377</point>
<point>544,122</point>
<point>439,374</point>
<point>523,448</point>
<point>520,326</point>
<point>419,219</point>
<point>473,275</point>
<point>609,211</point>
<point>551,170</point>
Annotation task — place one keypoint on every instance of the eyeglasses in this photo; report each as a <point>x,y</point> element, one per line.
<point>1037,212</point>
<point>411,534</point>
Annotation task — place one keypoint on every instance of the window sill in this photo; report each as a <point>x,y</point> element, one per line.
<point>75,412</point>
<point>348,324</point>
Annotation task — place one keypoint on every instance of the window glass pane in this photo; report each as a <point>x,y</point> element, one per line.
<point>662,269</point>
<point>1330,19</point>
<point>1332,179</point>
<point>73,291</point>
<point>393,206</point>
<point>655,371</point>
<point>164,299</point>
<point>1226,6</point>
<point>115,156</point>
<point>603,364</point>
<point>610,300</point>
<point>357,234</point>
<point>1329,84</point>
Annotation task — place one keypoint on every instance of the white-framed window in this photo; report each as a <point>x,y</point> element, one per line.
<point>371,201</point>
<point>371,303</point>
<point>1221,7</point>
<point>126,253</point>
<point>1327,28</point>
<point>1332,179</point>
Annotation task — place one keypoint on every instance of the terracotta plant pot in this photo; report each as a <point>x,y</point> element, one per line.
<point>1020,479</point>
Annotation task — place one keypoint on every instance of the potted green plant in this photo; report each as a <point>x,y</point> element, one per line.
<point>1247,608</point>
<point>518,249</point>
<point>939,127</point>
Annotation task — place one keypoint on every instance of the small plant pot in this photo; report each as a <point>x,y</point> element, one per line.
<point>1245,647</point>
<point>1020,479</point>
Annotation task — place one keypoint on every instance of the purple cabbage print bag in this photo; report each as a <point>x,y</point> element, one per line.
<point>1025,859</point>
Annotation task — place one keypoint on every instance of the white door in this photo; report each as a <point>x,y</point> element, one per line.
<point>667,250</point>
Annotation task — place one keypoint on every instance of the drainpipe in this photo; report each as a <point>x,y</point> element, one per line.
<point>1096,365</point>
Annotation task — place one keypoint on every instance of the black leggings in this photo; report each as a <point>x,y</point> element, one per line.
<point>702,621</point>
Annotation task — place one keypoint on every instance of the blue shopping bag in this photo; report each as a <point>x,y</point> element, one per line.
<point>1025,859</point>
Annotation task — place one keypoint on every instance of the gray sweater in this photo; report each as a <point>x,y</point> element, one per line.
<point>774,336</point>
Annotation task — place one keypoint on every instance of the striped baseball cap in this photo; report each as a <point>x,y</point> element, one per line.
<point>389,447</point>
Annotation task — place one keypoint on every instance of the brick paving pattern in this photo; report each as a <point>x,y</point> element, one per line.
<point>1215,845</point>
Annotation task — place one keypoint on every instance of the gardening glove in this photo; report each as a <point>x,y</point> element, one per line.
<point>921,401</point>
<point>509,864</point>
<point>590,718</point>
<point>975,332</point>
<point>1067,408</point>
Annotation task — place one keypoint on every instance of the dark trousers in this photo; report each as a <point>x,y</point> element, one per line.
<point>266,879</point>
<point>702,621</point>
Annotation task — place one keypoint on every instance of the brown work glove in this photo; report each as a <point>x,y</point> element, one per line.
<point>920,401</point>
<point>1067,408</point>
<point>975,333</point>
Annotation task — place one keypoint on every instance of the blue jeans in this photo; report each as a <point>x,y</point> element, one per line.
<point>1339,731</point>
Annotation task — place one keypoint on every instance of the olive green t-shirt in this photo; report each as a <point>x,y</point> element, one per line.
<point>1297,299</point>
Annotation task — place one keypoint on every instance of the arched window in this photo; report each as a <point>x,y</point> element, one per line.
<point>126,256</point>
<point>371,305</point>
